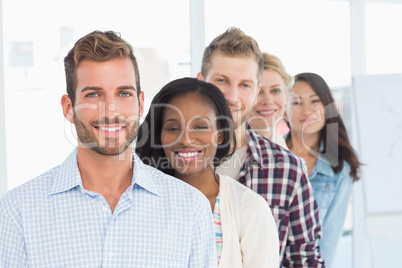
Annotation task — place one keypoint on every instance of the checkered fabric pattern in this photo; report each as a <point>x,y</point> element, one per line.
<point>52,221</point>
<point>281,178</point>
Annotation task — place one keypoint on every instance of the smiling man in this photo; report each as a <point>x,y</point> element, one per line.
<point>234,63</point>
<point>102,207</point>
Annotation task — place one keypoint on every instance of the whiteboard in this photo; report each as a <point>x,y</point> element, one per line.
<point>378,100</point>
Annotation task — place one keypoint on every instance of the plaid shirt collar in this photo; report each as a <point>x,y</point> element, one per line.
<point>254,153</point>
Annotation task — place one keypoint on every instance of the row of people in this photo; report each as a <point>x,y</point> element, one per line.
<point>316,132</point>
<point>104,207</point>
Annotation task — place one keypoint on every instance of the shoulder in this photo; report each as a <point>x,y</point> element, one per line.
<point>164,184</point>
<point>270,152</point>
<point>344,175</point>
<point>244,197</point>
<point>29,192</point>
<point>269,147</point>
<point>346,169</point>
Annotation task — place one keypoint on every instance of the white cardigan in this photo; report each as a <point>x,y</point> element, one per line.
<point>250,235</point>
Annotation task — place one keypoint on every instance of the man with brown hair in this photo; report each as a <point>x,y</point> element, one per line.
<point>102,207</point>
<point>234,63</point>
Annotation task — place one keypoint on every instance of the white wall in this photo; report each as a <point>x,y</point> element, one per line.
<point>3,162</point>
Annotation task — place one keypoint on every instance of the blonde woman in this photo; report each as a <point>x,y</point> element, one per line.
<point>267,115</point>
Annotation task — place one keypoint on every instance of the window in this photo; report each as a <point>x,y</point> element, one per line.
<point>36,39</point>
<point>383,42</point>
<point>308,36</point>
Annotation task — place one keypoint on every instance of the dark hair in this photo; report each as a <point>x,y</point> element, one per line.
<point>336,142</point>
<point>233,42</point>
<point>97,46</point>
<point>149,147</point>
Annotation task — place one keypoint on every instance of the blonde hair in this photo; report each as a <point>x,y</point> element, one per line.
<point>272,62</point>
<point>233,42</point>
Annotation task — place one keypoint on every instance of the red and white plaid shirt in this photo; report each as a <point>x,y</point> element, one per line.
<point>281,178</point>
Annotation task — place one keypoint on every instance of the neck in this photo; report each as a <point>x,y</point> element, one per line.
<point>267,133</point>
<point>101,173</point>
<point>302,144</point>
<point>240,133</point>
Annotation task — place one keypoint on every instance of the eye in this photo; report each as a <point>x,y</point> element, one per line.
<point>315,101</point>
<point>126,94</point>
<point>220,80</point>
<point>276,91</point>
<point>201,127</point>
<point>92,95</point>
<point>172,128</point>
<point>246,85</point>
<point>296,103</point>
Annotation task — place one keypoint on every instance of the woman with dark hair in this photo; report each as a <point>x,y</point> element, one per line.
<point>318,135</point>
<point>187,133</point>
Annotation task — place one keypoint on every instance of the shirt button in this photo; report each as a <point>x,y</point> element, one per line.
<point>110,254</point>
<point>280,164</point>
<point>104,209</point>
<point>327,187</point>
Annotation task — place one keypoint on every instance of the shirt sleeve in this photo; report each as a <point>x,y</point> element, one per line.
<point>259,240</point>
<point>203,249</point>
<point>12,243</point>
<point>335,217</point>
<point>304,228</point>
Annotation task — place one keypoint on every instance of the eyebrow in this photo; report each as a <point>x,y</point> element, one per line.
<point>248,81</point>
<point>242,81</point>
<point>170,120</point>
<point>195,119</point>
<point>125,87</point>
<point>201,117</point>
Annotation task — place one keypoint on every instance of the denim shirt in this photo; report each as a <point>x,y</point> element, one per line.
<point>332,193</point>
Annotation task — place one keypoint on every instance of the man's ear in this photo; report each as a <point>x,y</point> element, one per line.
<point>256,94</point>
<point>200,77</point>
<point>285,116</point>
<point>141,102</point>
<point>67,106</point>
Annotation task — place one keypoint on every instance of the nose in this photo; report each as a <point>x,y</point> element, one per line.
<point>266,99</point>
<point>186,138</point>
<point>308,111</point>
<point>109,107</point>
<point>231,94</point>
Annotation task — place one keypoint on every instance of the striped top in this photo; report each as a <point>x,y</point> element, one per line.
<point>218,228</point>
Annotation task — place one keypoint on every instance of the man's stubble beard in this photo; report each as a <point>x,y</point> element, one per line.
<point>113,146</point>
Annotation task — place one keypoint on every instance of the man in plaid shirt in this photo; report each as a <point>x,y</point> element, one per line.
<point>234,63</point>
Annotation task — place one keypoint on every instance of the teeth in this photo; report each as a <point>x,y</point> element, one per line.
<point>110,129</point>
<point>188,154</point>
<point>266,113</point>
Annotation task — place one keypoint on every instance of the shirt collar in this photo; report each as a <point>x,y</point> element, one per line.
<point>252,142</point>
<point>143,176</point>
<point>322,166</point>
<point>68,176</point>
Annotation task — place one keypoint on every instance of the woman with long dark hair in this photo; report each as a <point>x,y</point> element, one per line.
<point>318,135</point>
<point>187,133</point>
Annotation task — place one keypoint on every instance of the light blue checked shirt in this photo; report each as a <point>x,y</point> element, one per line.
<point>52,221</point>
